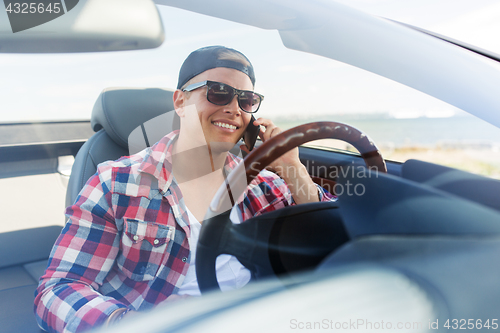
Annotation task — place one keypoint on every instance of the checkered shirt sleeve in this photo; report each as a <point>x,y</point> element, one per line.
<point>67,297</point>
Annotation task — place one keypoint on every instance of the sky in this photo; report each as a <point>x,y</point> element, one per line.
<point>65,86</point>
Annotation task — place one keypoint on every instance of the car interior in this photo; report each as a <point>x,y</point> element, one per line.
<point>120,130</point>
<point>399,214</point>
<point>435,228</point>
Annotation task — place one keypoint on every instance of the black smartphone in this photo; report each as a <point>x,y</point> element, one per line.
<point>251,134</point>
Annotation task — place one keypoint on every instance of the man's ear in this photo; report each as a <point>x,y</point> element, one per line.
<point>179,99</point>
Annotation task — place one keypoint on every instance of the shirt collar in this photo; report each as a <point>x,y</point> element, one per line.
<point>158,161</point>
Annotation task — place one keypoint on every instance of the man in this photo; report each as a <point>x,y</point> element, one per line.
<point>130,240</point>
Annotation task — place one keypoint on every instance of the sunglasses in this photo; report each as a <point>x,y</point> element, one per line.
<point>222,94</point>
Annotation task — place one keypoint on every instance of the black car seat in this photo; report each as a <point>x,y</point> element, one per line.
<point>126,120</point>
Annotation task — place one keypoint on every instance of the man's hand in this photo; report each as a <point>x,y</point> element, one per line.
<point>288,166</point>
<point>289,160</point>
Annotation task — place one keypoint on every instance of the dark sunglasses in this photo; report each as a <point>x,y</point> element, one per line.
<point>222,94</point>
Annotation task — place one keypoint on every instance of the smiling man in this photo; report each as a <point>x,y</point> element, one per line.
<point>130,240</point>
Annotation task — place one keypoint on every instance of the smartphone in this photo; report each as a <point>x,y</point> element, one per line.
<point>251,134</point>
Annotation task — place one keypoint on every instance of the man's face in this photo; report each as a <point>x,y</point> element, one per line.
<point>213,117</point>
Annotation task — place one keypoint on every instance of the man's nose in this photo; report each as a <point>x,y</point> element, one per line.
<point>233,106</point>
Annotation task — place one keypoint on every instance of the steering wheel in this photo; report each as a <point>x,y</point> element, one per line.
<point>219,235</point>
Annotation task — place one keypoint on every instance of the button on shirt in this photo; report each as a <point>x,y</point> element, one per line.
<point>126,242</point>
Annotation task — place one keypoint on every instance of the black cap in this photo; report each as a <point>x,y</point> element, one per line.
<point>207,58</point>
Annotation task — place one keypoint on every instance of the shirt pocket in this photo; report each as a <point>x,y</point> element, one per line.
<point>143,247</point>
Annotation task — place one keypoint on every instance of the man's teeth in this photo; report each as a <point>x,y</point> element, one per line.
<point>225,125</point>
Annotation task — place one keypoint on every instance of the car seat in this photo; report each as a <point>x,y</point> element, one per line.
<point>126,120</point>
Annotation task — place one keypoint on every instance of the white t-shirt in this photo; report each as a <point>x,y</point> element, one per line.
<point>231,274</point>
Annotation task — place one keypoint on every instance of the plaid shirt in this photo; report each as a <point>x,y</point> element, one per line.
<point>125,244</point>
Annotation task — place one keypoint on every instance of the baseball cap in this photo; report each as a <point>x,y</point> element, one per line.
<point>209,57</point>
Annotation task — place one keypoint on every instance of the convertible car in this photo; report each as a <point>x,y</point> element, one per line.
<point>408,246</point>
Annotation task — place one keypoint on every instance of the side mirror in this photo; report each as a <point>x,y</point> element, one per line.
<point>60,26</point>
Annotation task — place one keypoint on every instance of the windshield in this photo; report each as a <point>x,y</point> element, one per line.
<point>298,87</point>
<point>472,22</point>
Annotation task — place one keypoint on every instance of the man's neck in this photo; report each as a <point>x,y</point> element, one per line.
<point>191,161</point>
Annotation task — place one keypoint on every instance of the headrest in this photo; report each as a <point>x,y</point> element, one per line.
<point>120,111</point>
